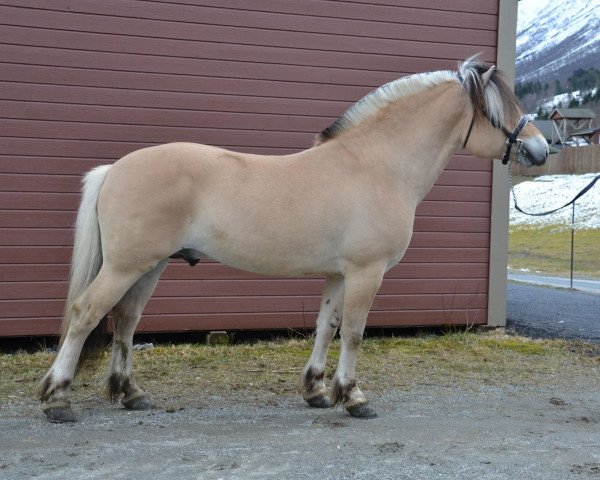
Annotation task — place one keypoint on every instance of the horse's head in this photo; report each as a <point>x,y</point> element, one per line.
<point>498,128</point>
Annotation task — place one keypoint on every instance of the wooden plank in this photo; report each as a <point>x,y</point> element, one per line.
<point>105,150</point>
<point>488,7</point>
<point>37,290</point>
<point>466,194</point>
<point>102,115</point>
<point>198,14</point>
<point>39,201</point>
<point>482,6</point>
<point>177,100</point>
<point>279,24</point>
<point>449,240</point>
<point>271,58</point>
<point>452,224</point>
<point>462,178</point>
<point>459,209</point>
<point>259,44</point>
<point>152,134</point>
<point>214,271</point>
<point>322,81</point>
<point>35,255</point>
<point>464,161</point>
<point>41,219</point>
<point>254,321</point>
<point>257,303</point>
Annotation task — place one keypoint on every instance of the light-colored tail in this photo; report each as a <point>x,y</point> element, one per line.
<point>87,249</point>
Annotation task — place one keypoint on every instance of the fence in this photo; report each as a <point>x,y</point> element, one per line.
<point>584,159</point>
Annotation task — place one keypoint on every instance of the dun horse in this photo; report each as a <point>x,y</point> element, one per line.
<point>342,210</point>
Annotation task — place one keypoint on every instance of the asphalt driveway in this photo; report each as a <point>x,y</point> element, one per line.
<point>546,312</point>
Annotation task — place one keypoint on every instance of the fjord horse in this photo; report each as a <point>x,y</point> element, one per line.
<point>342,210</point>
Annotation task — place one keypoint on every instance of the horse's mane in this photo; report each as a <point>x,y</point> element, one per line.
<point>496,101</point>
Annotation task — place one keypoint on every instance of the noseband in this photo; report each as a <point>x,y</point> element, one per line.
<point>512,138</point>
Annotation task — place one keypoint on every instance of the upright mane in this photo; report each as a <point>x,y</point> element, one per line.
<point>381,97</point>
<point>496,100</point>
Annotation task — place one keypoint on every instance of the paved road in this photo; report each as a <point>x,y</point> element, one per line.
<point>543,312</point>
<point>562,282</point>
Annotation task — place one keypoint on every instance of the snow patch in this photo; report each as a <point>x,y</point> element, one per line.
<point>551,191</point>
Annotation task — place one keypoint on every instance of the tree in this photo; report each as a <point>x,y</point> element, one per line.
<point>558,88</point>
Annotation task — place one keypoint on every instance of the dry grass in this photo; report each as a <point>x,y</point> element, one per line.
<point>190,373</point>
<point>548,249</point>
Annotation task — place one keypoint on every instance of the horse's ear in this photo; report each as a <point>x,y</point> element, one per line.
<point>486,76</point>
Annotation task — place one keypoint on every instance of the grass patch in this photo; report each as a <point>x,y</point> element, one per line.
<point>548,249</point>
<point>191,373</point>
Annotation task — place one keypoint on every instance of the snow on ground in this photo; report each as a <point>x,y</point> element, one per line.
<point>550,191</point>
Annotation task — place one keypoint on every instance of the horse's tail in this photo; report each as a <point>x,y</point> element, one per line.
<point>87,255</point>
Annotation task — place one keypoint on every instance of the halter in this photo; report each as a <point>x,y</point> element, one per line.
<point>512,137</point>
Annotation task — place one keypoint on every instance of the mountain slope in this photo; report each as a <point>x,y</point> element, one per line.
<point>556,37</point>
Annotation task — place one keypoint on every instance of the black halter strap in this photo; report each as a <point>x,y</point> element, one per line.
<point>469,132</point>
<point>512,137</point>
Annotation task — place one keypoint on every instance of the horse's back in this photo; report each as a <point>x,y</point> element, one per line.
<point>293,214</point>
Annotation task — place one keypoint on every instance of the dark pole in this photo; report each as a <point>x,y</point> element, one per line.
<point>572,240</point>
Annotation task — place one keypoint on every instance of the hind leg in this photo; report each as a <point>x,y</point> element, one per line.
<point>86,312</point>
<point>330,314</point>
<point>127,314</point>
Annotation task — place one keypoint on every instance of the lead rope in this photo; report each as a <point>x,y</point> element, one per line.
<point>541,214</point>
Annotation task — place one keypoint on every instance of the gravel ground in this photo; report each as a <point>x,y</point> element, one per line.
<point>481,432</point>
<point>428,432</point>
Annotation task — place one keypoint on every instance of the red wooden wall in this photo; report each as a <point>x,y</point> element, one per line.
<point>84,82</point>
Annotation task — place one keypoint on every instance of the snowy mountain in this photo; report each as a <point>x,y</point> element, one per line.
<point>556,37</point>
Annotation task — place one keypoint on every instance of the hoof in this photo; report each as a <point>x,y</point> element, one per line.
<point>361,411</point>
<point>138,403</point>
<point>63,414</point>
<point>319,402</point>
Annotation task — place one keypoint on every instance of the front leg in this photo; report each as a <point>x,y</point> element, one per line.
<point>361,286</point>
<point>330,314</point>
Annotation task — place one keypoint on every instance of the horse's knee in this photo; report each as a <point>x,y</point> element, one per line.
<point>351,338</point>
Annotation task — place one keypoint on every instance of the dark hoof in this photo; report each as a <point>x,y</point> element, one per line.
<point>361,411</point>
<point>319,402</point>
<point>60,414</point>
<point>138,403</point>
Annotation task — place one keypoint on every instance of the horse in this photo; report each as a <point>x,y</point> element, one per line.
<point>342,209</point>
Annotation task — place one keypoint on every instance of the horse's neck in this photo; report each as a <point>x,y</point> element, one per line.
<point>414,139</point>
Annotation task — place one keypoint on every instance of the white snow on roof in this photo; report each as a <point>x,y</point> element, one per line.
<point>551,191</point>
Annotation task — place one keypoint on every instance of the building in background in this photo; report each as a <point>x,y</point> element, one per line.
<point>84,83</point>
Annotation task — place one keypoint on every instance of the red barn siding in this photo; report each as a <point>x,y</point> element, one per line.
<point>84,82</point>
